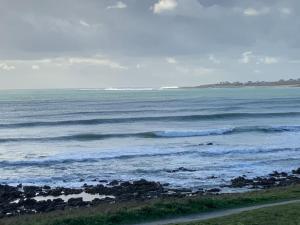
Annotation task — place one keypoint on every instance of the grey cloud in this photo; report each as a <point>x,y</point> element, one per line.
<point>131,34</point>
<point>36,28</point>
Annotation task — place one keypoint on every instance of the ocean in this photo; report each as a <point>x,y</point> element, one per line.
<point>185,137</point>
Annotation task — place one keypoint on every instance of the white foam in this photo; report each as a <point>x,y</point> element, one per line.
<point>128,89</point>
<point>169,87</point>
<point>193,133</point>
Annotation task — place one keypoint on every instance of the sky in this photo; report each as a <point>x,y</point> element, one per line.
<point>146,43</point>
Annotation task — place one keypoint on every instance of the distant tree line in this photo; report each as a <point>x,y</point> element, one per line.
<point>289,82</point>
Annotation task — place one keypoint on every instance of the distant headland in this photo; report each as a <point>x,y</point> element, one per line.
<point>227,84</point>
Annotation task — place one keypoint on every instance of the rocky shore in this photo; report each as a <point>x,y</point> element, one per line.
<point>36,199</point>
<point>275,179</point>
<point>19,200</point>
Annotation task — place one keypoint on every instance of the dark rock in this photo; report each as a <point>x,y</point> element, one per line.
<point>125,184</point>
<point>96,201</point>
<point>265,182</point>
<point>98,189</point>
<point>114,183</point>
<point>58,201</point>
<point>214,190</point>
<point>144,186</point>
<point>296,171</point>
<point>31,190</point>
<point>103,181</point>
<point>55,192</point>
<point>71,191</point>
<point>182,190</point>
<point>76,202</point>
<point>180,169</point>
<point>27,203</point>
<point>284,174</point>
<point>239,182</point>
<point>9,193</point>
<point>277,174</point>
<point>126,197</point>
<point>212,177</point>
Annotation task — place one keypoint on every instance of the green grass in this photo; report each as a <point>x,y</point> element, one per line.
<point>277,215</point>
<point>132,212</point>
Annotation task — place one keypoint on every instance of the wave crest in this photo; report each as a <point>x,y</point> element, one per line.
<point>160,134</point>
<point>150,118</point>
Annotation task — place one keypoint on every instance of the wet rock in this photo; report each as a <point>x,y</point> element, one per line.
<point>63,191</point>
<point>208,143</point>
<point>98,189</point>
<point>240,182</point>
<point>31,191</point>
<point>277,174</point>
<point>265,182</point>
<point>114,183</point>
<point>144,185</point>
<point>55,192</point>
<point>96,201</point>
<point>213,190</point>
<point>76,202</point>
<point>182,190</point>
<point>71,191</point>
<point>9,193</point>
<point>85,185</point>
<point>180,169</point>
<point>46,187</point>
<point>103,181</point>
<point>296,171</point>
<point>125,184</point>
<point>42,206</point>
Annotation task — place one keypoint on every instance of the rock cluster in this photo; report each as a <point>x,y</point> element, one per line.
<point>20,200</point>
<point>275,179</point>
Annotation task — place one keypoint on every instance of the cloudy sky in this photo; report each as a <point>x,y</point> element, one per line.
<point>146,43</point>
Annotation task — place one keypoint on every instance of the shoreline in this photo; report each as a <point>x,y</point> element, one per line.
<point>151,210</point>
<point>22,200</point>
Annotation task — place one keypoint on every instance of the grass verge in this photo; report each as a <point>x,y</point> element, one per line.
<point>277,215</point>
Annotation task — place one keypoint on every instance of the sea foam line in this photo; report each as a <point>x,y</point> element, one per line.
<point>97,157</point>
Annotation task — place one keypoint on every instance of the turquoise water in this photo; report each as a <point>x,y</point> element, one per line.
<point>59,137</point>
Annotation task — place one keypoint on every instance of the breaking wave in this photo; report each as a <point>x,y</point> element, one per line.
<point>159,134</point>
<point>149,119</point>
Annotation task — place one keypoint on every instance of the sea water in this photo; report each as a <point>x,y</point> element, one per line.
<point>71,137</point>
